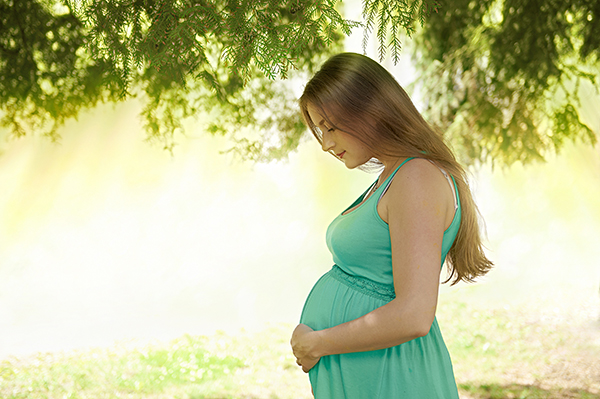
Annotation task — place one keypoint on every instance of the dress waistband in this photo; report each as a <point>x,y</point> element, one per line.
<point>369,287</point>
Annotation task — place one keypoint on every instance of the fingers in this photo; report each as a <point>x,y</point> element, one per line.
<point>305,367</point>
<point>299,363</point>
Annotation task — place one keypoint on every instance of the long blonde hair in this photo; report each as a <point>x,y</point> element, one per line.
<point>358,96</point>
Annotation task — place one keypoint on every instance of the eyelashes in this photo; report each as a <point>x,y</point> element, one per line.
<point>318,129</point>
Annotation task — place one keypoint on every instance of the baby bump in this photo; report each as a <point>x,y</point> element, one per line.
<point>338,297</point>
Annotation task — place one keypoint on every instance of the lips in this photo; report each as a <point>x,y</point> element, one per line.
<point>341,154</point>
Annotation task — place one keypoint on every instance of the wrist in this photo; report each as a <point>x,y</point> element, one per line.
<point>318,344</point>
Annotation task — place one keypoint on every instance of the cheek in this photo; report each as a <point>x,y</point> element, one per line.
<point>364,151</point>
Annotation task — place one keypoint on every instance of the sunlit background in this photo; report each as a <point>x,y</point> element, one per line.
<point>104,237</point>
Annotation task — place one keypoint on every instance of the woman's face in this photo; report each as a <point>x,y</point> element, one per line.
<point>349,149</point>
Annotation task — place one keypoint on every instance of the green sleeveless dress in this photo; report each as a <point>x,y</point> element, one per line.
<point>360,281</point>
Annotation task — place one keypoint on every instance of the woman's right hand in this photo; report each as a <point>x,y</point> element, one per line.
<point>303,347</point>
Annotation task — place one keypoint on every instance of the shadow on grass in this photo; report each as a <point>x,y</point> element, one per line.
<point>517,391</point>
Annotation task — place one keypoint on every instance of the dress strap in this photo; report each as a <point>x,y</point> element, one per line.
<point>390,178</point>
<point>449,178</point>
<point>451,182</point>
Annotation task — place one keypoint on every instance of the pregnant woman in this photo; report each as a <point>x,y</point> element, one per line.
<point>368,328</point>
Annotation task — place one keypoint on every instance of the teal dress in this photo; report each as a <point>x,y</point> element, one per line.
<point>359,282</point>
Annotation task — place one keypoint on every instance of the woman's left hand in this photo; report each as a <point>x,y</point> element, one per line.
<point>303,346</point>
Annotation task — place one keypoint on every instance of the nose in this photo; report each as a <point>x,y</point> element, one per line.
<point>327,141</point>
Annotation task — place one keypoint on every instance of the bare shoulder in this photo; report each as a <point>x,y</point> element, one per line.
<point>419,176</point>
<point>419,186</point>
<point>420,168</point>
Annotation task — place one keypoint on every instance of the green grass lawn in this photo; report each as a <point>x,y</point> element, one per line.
<point>498,353</point>
<point>150,371</point>
<point>511,353</point>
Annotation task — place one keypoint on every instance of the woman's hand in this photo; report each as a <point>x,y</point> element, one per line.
<point>303,347</point>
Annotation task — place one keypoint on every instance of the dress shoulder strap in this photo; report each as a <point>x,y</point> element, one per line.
<point>390,178</point>
<point>451,182</point>
<point>446,175</point>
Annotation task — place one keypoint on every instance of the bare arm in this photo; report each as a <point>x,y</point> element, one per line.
<point>419,205</point>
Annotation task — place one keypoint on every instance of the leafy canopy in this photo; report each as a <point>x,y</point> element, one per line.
<point>500,77</point>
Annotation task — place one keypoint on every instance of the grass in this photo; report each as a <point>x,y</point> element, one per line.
<point>498,353</point>
<point>515,353</point>
<point>151,371</point>
<point>516,391</point>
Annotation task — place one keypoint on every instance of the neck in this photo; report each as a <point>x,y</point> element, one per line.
<point>388,167</point>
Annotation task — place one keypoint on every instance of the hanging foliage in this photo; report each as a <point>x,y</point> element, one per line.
<point>500,77</point>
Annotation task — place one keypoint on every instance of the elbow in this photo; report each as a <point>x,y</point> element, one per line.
<point>422,326</point>
<point>416,321</point>
<point>422,330</point>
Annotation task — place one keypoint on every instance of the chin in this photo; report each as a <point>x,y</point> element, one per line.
<point>353,165</point>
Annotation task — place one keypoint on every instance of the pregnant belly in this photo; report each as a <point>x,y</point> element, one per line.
<point>337,298</point>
